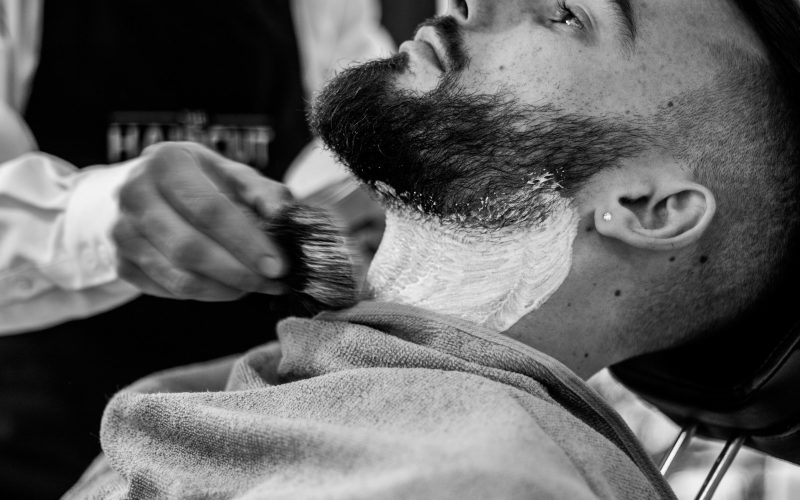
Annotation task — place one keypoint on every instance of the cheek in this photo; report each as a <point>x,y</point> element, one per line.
<point>529,77</point>
<point>511,60</point>
<point>539,69</point>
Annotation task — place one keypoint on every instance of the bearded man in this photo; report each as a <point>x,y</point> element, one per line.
<point>568,184</point>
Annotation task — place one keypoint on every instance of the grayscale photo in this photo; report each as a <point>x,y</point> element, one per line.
<point>399,249</point>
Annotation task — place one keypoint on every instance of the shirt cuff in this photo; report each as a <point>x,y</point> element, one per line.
<point>56,306</point>
<point>91,213</point>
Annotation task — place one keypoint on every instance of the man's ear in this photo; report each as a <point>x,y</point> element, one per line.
<point>657,207</point>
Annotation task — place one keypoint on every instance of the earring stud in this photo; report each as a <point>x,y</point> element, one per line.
<point>607,217</point>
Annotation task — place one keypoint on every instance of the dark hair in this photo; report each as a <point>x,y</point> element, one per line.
<point>758,130</point>
<point>777,23</point>
<point>742,138</point>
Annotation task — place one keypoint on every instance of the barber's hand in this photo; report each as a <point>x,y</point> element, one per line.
<point>185,232</point>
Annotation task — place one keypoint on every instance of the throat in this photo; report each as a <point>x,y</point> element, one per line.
<point>489,277</point>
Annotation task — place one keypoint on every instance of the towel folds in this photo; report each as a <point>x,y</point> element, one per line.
<point>377,402</point>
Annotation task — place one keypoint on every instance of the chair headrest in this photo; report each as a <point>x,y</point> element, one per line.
<point>747,383</point>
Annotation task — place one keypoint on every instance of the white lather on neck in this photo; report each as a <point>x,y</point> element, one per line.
<point>490,277</point>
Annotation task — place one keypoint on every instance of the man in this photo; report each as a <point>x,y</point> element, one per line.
<point>568,184</point>
<point>97,83</point>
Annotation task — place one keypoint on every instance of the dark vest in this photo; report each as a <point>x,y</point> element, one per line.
<point>115,76</point>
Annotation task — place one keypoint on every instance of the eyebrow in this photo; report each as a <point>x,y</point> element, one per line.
<point>624,12</point>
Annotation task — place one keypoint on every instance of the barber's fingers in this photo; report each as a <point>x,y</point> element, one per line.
<point>185,287</point>
<point>203,202</point>
<point>149,270</point>
<point>265,196</point>
<point>127,239</point>
<point>185,257</point>
<point>134,275</point>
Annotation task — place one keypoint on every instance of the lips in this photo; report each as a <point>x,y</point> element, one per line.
<point>427,45</point>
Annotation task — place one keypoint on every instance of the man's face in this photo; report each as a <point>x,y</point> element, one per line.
<point>500,102</point>
<point>596,57</point>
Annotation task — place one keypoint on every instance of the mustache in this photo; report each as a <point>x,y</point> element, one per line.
<point>449,32</point>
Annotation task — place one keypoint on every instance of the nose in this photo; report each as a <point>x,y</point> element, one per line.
<point>459,9</point>
<point>487,13</point>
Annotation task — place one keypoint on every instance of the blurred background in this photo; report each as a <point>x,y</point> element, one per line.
<point>400,17</point>
<point>752,476</point>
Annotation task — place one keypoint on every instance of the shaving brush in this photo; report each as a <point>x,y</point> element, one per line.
<point>322,262</point>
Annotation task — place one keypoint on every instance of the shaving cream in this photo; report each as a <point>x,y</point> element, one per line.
<point>490,277</point>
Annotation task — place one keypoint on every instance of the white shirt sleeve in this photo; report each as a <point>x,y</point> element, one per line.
<point>331,35</point>
<point>57,261</point>
<point>334,34</point>
<point>19,49</point>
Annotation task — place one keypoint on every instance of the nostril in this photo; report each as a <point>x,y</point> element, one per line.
<point>462,8</point>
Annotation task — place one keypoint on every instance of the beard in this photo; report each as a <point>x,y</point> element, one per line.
<point>473,159</point>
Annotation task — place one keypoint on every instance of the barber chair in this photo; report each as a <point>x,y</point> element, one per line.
<point>742,388</point>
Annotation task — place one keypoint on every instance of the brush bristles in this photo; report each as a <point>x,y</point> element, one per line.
<point>322,268</point>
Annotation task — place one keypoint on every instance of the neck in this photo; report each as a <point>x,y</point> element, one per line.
<point>492,278</point>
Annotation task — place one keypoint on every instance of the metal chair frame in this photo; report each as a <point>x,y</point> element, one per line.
<point>756,404</point>
<point>718,470</point>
